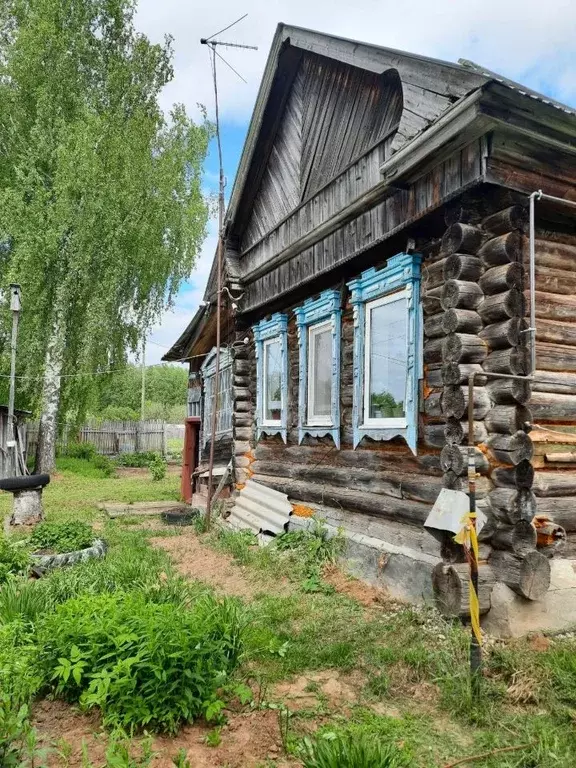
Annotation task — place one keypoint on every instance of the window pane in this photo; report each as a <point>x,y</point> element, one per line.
<point>388,360</point>
<point>321,349</point>
<point>272,381</point>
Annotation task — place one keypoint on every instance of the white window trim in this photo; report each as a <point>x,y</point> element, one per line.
<point>270,422</point>
<point>312,420</point>
<point>399,421</point>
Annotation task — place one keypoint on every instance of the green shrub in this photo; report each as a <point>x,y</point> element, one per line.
<point>143,664</point>
<point>351,751</point>
<point>86,451</point>
<point>14,557</point>
<point>105,464</point>
<point>158,468</point>
<point>139,460</point>
<point>62,537</point>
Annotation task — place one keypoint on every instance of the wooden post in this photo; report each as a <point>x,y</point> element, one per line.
<point>475,648</point>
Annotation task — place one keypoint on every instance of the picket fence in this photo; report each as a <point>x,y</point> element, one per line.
<point>110,438</point>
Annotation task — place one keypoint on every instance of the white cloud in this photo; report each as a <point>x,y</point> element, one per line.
<point>515,37</point>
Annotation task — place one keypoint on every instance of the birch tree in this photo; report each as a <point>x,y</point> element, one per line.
<point>101,205</point>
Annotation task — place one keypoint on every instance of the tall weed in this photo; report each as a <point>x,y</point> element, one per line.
<point>142,664</point>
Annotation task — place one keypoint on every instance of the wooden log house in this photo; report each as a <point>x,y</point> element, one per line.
<point>376,255</point>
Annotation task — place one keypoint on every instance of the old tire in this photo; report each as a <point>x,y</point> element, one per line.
<point>24,482</point>
<point>98,549</point>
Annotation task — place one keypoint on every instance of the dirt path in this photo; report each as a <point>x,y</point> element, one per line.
<point>196,560</point>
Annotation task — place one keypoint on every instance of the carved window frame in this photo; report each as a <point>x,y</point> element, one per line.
<point>401,274</point>
<point>316,312</point>
<point>273,329</point>
<point>224,413</point>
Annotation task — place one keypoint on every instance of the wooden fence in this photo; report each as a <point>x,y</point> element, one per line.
<point>109,437</point>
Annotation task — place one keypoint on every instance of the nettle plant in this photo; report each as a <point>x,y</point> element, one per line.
<point>62,537</point>
<point>143,664</point>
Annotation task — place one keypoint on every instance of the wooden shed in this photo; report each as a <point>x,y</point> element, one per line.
<point>377,253</point>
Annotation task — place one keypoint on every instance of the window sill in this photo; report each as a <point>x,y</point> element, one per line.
<point>324,430</point>
<point>271,430</point>
<point>408,432</point>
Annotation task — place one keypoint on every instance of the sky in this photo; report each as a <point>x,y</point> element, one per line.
<point>527,40</point>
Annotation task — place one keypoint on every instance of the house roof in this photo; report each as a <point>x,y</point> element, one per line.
<point>17,411</point>
<point>450,82</point>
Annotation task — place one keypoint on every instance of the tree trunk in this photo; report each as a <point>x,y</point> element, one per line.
<point>46,447</point>
<point>528,576</point>
<point>27,507</point>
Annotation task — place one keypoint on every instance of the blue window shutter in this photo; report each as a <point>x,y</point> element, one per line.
<point>401,271</point>
<point>275,327</point>
<point>326,307</point>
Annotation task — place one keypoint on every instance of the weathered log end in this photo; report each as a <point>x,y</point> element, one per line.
<point>528,575</point>
<point>451,588</point>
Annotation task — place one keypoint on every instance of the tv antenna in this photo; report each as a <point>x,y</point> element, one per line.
<point>212,46</point>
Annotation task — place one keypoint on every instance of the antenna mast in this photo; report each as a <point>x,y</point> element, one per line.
<point>212,44</point>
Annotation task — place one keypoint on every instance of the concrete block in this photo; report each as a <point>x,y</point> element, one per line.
<point>514,616</point>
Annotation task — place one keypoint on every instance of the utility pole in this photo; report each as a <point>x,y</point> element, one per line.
<point>211,43</point>
<point>15,306</point>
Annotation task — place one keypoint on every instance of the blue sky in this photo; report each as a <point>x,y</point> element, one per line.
<point>527,40</point>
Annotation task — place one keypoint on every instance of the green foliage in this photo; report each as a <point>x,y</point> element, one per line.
<point>105,465</point>
<point>141,459</point>
<point>20,600</point>
<point>119,396</point>
<point>142,664</point>
<point>14,557</point>
<point>86,451</point>
<point>18,745</point>
<point>119,755</point>
<point>158,468</point>
<point>347,750</point>
<point>62,537</point>
<point>100,192</point>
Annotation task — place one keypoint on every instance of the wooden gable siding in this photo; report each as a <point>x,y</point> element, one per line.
<point>377,224</point>
<point>334,113</point>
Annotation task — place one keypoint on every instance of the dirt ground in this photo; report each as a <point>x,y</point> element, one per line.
<point>197,561</point>
<point>247,740</point>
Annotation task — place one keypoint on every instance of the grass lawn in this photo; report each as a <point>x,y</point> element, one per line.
<point>316,662</point>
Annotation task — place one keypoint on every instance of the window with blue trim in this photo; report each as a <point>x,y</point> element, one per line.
<point>387,364</point>
<point>271,340</point>
<point>319,324</point>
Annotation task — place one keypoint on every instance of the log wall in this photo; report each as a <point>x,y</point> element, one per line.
<point>474,294</point>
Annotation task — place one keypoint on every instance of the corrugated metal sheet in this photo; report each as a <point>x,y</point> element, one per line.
<point>260,509</point>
